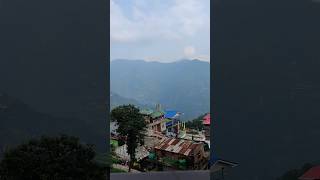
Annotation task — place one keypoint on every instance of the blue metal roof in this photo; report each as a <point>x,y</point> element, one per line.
<point>170,114</point>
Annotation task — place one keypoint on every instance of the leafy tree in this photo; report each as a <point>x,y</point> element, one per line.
<point>196,123</point>
<point>60,157</point>
<point>131,124</point>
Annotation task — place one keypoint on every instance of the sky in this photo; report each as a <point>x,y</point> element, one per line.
<point>160,30</point>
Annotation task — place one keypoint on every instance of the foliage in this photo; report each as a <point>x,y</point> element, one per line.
<point>196,123</point>
<point>121,142</point>
<point>60,157</point>
<point>131,124</point>
<point>179,164</point>
<point>104,160</point>
<point>115,170</point>
<point>294,174</point>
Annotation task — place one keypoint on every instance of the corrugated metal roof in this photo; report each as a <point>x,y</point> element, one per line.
<point>179,146</point>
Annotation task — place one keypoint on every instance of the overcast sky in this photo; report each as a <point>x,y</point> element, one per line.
<point>160,30</point>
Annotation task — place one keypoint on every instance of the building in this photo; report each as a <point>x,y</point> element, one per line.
<point>194,135</point>
<point>181,154</point>
<point>311,174</point>
<point>155,119</point>
<point>146,114</point>
<point>173,125</point>
<point>206,124</point>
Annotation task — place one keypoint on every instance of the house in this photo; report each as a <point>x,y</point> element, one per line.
<point>174,153</point>
<point>146,114</point>
<point>155,119</point>
<point>194,135</point>
<point>311,174</point>
<point>206,123</point>
<point>172,119</point>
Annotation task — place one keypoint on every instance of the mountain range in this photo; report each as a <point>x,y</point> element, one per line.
<point>182,85</point>
<point>117,100</point>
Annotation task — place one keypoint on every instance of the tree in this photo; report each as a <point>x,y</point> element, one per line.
<point>131,125</point>
<point>60,157</point>
<point>196,123</point>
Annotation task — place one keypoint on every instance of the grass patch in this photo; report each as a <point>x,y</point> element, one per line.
<point>115,170</point>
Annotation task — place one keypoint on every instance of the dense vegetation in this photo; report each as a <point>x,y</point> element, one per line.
<point>60,157</point>
<point>196,123</point>
<point>131,125</point>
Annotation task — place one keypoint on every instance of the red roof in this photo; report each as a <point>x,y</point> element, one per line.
<point>311,174</point>
<point>206,119</point>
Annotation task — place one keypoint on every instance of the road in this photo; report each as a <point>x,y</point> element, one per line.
<point>167,175</point>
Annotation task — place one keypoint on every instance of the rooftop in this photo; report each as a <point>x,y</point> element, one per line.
<point>171,114</point>
<point>179,146</point>
<point>207,119</point>
<point>311,174</point>
<point>157,114</point>
<point>146,111</point>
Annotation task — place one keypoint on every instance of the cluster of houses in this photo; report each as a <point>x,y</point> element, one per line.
<point>168,143</point>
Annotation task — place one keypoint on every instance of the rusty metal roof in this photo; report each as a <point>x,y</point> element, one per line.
<point>179,146</point>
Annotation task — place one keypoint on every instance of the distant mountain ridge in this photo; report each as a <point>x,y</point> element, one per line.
<point>182,85</point>
<point>117,100</point>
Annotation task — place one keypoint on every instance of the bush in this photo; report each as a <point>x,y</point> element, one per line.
<point>51,158</point>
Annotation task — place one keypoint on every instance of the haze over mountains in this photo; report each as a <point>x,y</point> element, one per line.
<point>182,85</point>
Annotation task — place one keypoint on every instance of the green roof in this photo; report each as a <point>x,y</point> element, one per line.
<point>167,120</point>
<point>157,114</point>
<point>146,111</point>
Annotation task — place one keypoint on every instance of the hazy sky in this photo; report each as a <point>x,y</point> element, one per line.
<point>160,30</point>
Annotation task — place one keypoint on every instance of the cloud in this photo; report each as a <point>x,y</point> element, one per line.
<point>202,57</point>
<point>158,19</point>
<point>189,51</point>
